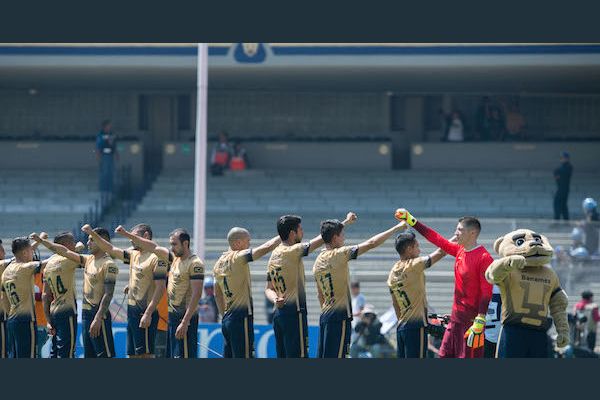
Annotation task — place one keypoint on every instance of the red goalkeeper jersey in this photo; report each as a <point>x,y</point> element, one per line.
<point>472,292</point>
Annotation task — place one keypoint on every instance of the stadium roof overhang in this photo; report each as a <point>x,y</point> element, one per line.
<point>391,67</point>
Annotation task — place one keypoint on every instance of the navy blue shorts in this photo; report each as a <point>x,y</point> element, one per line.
<point>22,334</point>
<point>63,342</point>
<point>188,347</point>
<point>140,341</point>
<point>334,337</point>
<point>517,341</point>
<point>238,336</point>
<point>5,340</point>
<point>412,341</point>
<point>103,345</point>
<point>291,335</point>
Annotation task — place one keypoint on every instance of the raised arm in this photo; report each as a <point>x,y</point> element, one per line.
<point>317,242</point>
<point>378,239</point>
<point>436,256</point>
<point>144,244</point>
<point>103,244</point>
<point>432,236</point>
<point>265,248</point>
<point>499,269</point>
<point>56,248</point>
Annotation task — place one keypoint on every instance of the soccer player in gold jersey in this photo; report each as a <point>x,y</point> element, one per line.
<point>286,286</point>
<point>407,286</point>
<point>17,295</point>
<point>100,275</point>
<point>147,284</point>
<point>184,288</point>
<point>59,298</point>
<point>233,291</point>
<point>333,285</point>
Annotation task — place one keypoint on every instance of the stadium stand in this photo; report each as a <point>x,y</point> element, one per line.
<point>51,200</point>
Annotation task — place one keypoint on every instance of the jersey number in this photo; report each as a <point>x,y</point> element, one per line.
<point>327,287</point>
<point>278,281</point>
<point>59,287</point>
<point>13,297</point>
<point>227,291</point>
<point>402,298</point>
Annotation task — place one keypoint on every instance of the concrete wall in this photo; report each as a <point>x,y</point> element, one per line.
<point>66,155</point>
<point>295,155</point>
<point>585,156</point>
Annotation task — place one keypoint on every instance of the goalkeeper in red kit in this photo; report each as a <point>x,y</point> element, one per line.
<point>464,337</point>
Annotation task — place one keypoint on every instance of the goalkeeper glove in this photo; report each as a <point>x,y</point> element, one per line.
<point>474,334</point>
<point>403,214</point>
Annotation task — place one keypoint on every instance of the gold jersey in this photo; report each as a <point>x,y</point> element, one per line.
<point>407,286</point>
<point>59,275</point>
<point>17,286</point>
<point>232,274</point>
<point>97,273</point>
<point>333,280</point>
<point>144,269</point>
<point>179,288</point>
<point>285,271</point>
<point>526,296</point>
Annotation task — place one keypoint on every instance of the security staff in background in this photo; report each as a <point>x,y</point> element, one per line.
<point>562,176</point>
<point>106,152</point>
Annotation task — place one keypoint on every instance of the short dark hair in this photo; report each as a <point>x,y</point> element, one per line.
<point>587,295</point>
<point>181,234</point>
<point>19,244</point>
<point>64,238</point>
<point>404,240</point>
<point>470,223</point>
<point>330,228</point>
<point>355,284</point>
<point>286,224</point>
<point>103,233</point>
<point>143,228</point>
<point>106,122</point>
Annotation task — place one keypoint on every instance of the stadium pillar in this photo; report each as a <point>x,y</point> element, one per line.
<point>200,154</point>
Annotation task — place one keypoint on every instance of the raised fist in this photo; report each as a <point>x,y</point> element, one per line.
<point>402,214</point>
<point>86,229</point>
<point>516,261</point>
<point>351,218</point>
<point>119,229</point>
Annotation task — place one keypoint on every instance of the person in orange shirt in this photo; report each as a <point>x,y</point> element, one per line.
<point>161,346</point>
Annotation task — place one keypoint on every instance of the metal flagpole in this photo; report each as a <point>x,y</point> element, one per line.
<point>200,154</point>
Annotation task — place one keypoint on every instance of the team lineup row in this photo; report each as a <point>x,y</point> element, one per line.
<point>176,270</point>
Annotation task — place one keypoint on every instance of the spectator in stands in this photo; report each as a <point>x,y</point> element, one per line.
<point>207,306</point>
<point>562,176</point>
<point>445,120</point>
<point>515,123</point>
<point>106,153</point>
<point>483,117</point>
<point>591,225</point>
<point>358,300</point>
<point>221,154</point>
<point>239,158</point>
<point>496,124</point>
<point>586,312</point>
<point>456,130</point>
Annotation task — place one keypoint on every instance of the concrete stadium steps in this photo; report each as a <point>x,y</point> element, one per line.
<point>512,194</point>
<point>50,200</point>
